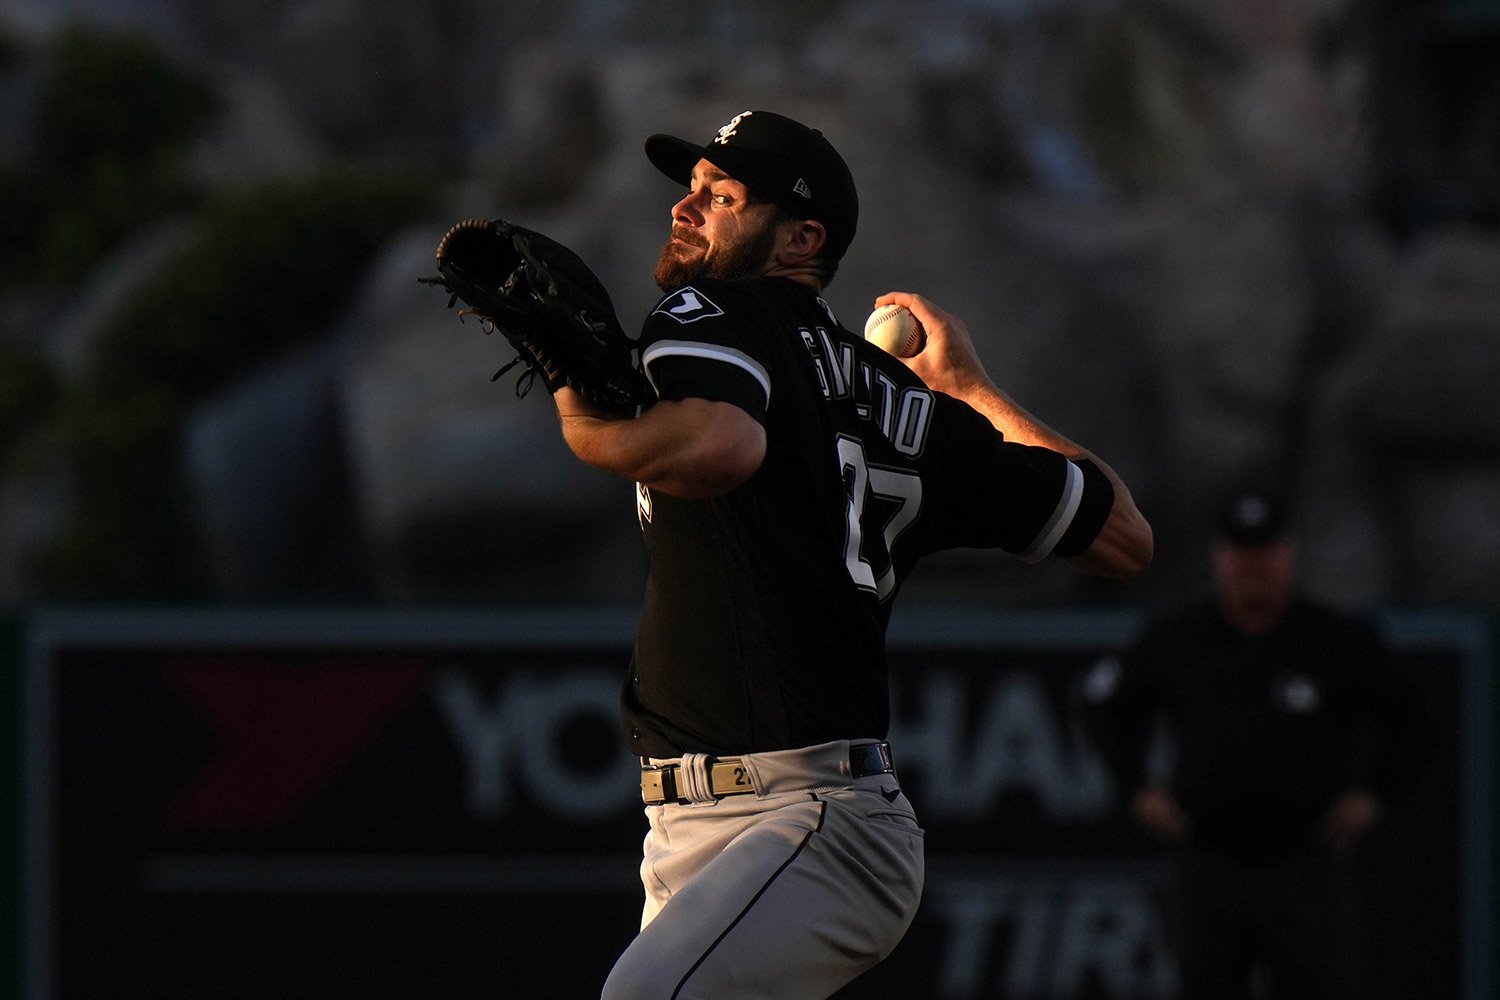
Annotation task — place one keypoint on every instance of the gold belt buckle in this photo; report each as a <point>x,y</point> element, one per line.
<point>725,777</point>
<point>653,792</point>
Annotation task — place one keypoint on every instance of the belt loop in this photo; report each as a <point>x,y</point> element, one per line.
<point>692,778</point>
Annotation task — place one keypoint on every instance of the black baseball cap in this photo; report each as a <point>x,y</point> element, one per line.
<point>1251,517</point>
<point>778,159</point>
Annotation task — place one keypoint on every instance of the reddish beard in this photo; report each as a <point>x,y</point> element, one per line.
<point>682,259</point>
<point>688,256</point>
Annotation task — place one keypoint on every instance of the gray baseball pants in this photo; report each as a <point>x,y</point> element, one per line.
<point>784,894</point>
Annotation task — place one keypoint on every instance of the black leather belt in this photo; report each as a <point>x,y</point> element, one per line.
<point>729,776</point>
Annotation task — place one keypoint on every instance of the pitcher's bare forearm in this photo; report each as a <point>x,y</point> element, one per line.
<point>948,362</point>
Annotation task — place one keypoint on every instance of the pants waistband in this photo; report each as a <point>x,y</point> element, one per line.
<point>704,778</point>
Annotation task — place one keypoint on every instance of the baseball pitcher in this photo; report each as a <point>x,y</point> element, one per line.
<point>789,475</point>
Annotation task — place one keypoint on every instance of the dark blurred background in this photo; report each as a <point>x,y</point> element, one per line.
<point>1205,239</point>
<point>1209,239</point>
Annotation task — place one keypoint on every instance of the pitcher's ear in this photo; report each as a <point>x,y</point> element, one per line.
<point>804,241</point>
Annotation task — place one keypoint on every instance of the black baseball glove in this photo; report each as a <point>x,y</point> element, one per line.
<point>547,303</point>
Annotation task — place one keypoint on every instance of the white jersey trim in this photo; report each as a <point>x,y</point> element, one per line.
<point>1062,516</point>
<point>697,349</point>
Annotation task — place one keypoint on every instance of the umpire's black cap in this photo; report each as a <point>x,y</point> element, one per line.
<point>1252,517</point>
<point>779,159</point>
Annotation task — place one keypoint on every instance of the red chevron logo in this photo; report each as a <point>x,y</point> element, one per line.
<point>285,729</point>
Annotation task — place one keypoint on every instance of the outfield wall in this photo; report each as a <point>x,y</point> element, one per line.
<point>249,804</point>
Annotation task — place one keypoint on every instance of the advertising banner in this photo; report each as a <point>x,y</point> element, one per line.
<point>382,805</point>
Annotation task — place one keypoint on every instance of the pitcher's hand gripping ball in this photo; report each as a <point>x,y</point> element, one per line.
<point>547,303</point>
<point>895,330</point>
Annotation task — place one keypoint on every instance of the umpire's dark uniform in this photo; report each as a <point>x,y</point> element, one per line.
<point>1268,731</point>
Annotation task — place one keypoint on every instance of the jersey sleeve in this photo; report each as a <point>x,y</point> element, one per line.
<point>695,344</point>
<point>1028,501</point>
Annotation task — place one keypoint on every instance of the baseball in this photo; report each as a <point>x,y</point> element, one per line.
<point>895,330</point>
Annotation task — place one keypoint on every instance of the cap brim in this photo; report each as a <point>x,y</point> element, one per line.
<point>673,156</point>
<point>677,157</point>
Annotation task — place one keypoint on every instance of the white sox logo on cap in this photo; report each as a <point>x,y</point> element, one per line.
<point>1253,511</point>
<point>729,129</point>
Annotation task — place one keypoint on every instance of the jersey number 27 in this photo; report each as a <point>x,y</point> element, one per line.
<point>883,502</point>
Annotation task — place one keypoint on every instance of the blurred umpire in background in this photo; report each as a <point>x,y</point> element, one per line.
<point>1289,733</point>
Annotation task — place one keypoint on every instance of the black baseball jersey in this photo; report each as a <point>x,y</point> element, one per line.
<point>764,618</point>
<point>1268,730</point>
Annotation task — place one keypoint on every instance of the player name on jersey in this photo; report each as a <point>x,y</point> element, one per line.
<point>903,414</point>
